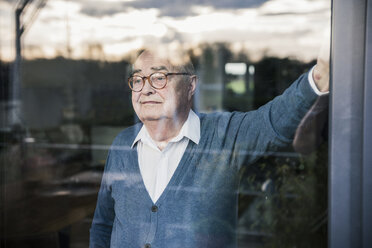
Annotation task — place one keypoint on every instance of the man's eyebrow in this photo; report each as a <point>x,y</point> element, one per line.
<point>135,71</point>
<point>159,68</point>
<point>154,68</point>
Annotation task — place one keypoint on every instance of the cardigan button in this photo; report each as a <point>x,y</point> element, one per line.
<point>154,208</point>
<point>147,245</point>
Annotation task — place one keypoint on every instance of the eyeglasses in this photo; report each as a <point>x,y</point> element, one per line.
<point>158,80</point>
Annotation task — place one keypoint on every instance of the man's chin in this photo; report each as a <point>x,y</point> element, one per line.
<point>152,118</point>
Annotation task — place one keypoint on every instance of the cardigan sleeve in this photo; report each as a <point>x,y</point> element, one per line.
<point>284,113</point>
<point>100,232</point>
<point>256,133</point>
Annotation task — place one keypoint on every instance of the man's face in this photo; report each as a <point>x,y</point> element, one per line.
<point>171,102</point>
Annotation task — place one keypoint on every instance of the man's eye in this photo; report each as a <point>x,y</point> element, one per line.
<point>137,80</point>
<point>160,78</point>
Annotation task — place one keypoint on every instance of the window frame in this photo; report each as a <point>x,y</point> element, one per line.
<point>350,170</point>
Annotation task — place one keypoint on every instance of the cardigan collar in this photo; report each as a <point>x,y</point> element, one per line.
<point>190,129</point>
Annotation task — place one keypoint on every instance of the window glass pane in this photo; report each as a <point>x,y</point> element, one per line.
<point>65,97</point>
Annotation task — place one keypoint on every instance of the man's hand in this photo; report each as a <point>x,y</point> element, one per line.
<point>321,70</point>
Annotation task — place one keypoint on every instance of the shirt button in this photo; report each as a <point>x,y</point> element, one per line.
<point>154,208</point>
<point>147,245</point>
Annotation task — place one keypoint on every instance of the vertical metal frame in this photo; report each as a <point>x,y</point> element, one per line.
<point>367,138</point>
<point>350,174</point>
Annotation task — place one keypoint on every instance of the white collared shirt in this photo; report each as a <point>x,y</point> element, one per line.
<point>158,166</point>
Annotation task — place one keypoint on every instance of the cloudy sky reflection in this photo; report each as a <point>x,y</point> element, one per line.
<point>113,28</point>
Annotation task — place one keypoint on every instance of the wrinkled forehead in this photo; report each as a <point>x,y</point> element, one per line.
<point>149,59</point>
<point>168,60</point>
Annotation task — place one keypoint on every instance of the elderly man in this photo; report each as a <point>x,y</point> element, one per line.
<point>172,180</point>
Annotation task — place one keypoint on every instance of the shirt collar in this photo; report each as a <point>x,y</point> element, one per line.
<point>190,130</point>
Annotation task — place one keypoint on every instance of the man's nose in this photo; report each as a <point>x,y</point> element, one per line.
<point>147,88</point>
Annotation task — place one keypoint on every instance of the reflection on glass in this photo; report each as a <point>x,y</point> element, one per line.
<point>65,98</point>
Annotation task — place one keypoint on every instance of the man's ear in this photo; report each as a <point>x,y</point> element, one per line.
<point>192,86</point>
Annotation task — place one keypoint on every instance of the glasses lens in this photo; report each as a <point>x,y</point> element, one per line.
<point>136,83</point>
<point>158,80</point>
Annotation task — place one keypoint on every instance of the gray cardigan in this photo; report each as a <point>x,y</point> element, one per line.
<point>198,208</point>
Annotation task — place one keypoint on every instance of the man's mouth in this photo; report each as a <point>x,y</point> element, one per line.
<point>150,102</point>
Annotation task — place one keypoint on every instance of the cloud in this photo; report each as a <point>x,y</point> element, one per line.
<point>102,8</point>
<point>171,8</point>
<point>288,13</point>
<point>121,26</point>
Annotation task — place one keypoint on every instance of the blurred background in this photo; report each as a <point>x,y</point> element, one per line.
<point>64,96</point>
